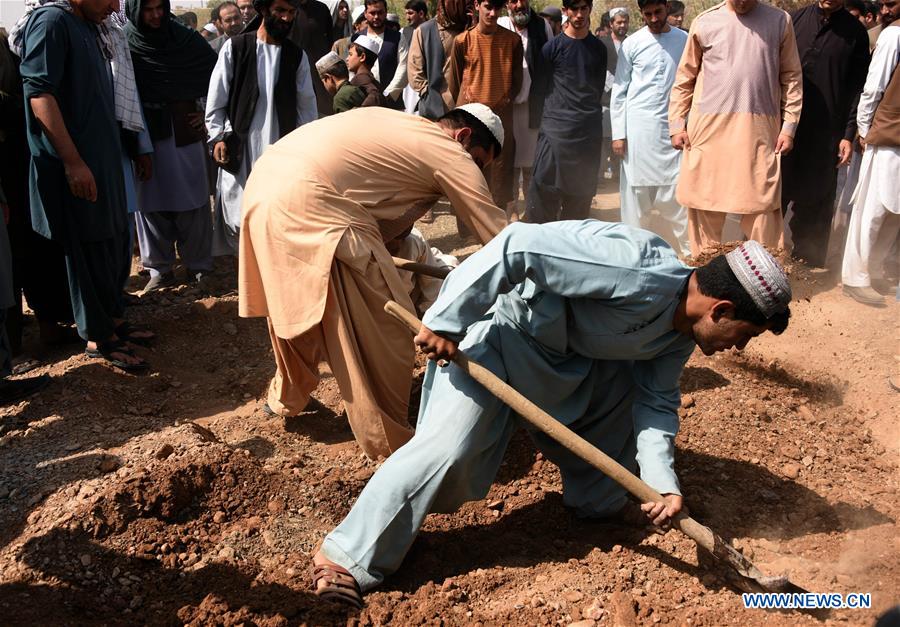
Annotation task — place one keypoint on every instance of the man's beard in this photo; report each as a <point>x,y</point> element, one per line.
<point>277,29</point>
<point>521,18</point>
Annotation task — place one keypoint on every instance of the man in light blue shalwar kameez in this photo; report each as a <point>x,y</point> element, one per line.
<point>593,322</point>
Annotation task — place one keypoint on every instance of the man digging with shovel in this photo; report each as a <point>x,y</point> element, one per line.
<point>313,257</point>
<point>591,321</point>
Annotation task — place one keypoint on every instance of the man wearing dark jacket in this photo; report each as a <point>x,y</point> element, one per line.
<point>834,50</point>
<point>528,104</point>
<point>429,57</point>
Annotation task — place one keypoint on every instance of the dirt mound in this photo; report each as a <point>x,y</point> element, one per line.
<point>166,497</point>
<point>214,610</point>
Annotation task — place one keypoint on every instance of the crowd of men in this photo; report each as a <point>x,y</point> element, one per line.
<point>322,132</point>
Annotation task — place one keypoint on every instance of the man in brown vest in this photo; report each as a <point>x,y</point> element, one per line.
<point>875,222</point>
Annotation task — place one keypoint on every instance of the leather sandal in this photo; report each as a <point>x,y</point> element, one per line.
<point>105,350</point>
<point>340,585</point>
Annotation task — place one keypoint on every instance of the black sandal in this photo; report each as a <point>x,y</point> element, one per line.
<point>106,349</point>
<point>126,330</point>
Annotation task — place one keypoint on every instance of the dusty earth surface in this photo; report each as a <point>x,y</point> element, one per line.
<point>172,498</point>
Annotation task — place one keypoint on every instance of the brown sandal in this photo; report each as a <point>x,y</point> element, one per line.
<point>342,587</point>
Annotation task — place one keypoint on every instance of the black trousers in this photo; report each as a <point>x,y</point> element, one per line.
<point>5,351</point>
<point>548,204</point>
<point>39,272</point>
<point>811,221</point>
<point>97,272</point>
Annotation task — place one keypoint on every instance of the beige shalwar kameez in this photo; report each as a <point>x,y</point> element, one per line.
<point>317,208</point>
<point>738,85</point>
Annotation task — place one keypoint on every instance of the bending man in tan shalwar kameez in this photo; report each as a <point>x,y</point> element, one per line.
<point>318,207</point>
<point>739,90</point>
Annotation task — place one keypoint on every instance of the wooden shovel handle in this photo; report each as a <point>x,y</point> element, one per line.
<point>544,422</point>
<point>421,268</point>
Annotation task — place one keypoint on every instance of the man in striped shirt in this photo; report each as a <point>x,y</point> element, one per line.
<point>486,67</point>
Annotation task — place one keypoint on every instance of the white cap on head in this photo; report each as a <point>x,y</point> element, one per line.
<point>393,17</point>
<point>357,13</point>
<point>327,62</point>
<point>487,117</point>
<point>211,28</point>
<point>369,43</point>
<point>616,11</point>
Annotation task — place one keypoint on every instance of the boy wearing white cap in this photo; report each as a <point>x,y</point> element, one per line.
<point>361,58</point>
<point>336,79</point>
<point>392,22</point>
<point>390,72</point>
<point>593,322</point>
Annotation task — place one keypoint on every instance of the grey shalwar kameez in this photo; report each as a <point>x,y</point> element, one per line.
<point>578,317</point>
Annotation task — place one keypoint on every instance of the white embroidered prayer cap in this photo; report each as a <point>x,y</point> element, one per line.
<point>762,276</point>
<point>356,14</point>
<point>615,11</point>
<point>487,117</point>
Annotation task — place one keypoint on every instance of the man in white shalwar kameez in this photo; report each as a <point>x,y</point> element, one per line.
<point>875,221</point>
<point>423,289</point>
<point>639,107</point>
<point>264,102</point>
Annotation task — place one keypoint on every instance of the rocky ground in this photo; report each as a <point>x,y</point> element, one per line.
<point>172,498</point>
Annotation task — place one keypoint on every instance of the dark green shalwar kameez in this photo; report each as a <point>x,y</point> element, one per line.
<point>62,57</point>
<point>348,97</point>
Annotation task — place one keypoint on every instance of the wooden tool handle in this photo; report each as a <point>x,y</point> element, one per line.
<point>544,422</point>
<point>438,272</point>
